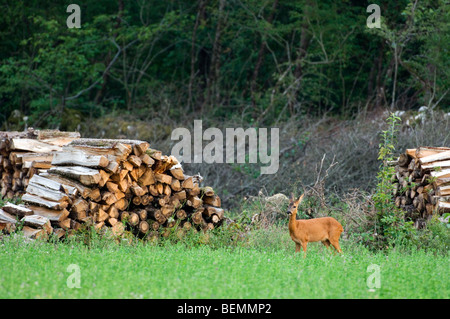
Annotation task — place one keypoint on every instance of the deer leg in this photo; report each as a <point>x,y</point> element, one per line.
<point>326,243</point>
<point>335,244</point>
<point>304,244</point>
<point>298,247</point>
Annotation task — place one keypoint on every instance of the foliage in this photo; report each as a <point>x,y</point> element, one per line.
<point>262,61</point>
<point>392,228</point>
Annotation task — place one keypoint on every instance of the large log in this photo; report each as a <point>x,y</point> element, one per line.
<point>163,178</point>
<point>36,200</point>
<point>404,160</point>
<point>155,154</point>
<point>33,146</point>
<point>188,182</point>
<point>197,217</point>
<point>134,219</point>
<point>209,211</point>
<point>79,158</point>
<point>69,185</point>
<point>444,190</point>
<point>181,214</point>
<point>47,193</point>
<point>164,164</point>
<point>144,227</point>
<point>425,151</point>
<point>118,147</point>
<point>443,207</point>
<point>52,215</point>
<point>177,172</point>
<point>148,178</point>
<point>52,184</point>
<point>7,217</point>
<point>84,175</point>
<point>194,201</point>
<point>34,233</point>
<point>17,210</point>
<point>212,200</point>
<point>27,158</point>
<point>440,156</point>
<point>56,137</point>
<point>435,165</point>
<point>38,222</point>
<point>445,173</point>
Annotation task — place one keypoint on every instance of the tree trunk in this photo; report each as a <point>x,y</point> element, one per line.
<point>200,16</point>
<point>214,72</point>
<point>302,50</point>
<point>261,53</point>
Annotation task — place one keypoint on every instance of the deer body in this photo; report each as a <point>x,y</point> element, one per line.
<point>302,231</point>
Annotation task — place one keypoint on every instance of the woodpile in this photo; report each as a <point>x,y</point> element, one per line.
<point>422,183</point>
<point>24,153</point>
<point>121,184</point>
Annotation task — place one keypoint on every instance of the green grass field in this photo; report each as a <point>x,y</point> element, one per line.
<point>265,267</point>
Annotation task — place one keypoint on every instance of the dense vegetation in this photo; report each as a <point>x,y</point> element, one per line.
<point>139,69</point>
<point>262,61</point>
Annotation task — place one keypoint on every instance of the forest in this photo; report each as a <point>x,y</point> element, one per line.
<point>139,69</point>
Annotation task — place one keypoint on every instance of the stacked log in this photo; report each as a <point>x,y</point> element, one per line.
<point>122,184</point>
<point>32,225</point>
<point>422,183</point>
<point>24,153</point>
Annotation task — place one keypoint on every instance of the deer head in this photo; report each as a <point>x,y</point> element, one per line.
<point>293,204</point>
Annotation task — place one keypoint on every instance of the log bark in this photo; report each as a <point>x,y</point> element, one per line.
<point>86,176</point>
<point>47,193</point>
<point>435,165</point>
<point>7,217</point>
<point>163,178</point>
<point>37,221</point>
<point>52,215</point>
<point>36,200</point>
<point>34,146</point>
<point>17,210</point>
<point>435,157</point>
<point>34,233</point>
<point>177,173</point>
<point>79,158</point>
<point>188,183</point>
<point>212,201</point>
<point>148,178</point>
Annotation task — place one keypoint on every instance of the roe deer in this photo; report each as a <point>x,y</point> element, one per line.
<point>302,231</point>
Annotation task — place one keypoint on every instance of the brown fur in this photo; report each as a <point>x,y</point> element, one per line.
<point>302,231</point>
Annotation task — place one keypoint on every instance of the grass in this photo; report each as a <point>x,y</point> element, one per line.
<point>263,267</point>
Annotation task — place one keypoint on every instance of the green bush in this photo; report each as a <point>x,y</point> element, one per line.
<point>392,227</point>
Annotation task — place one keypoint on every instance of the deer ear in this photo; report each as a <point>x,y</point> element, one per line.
<point>300,198</point>
<point>291,198</point>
